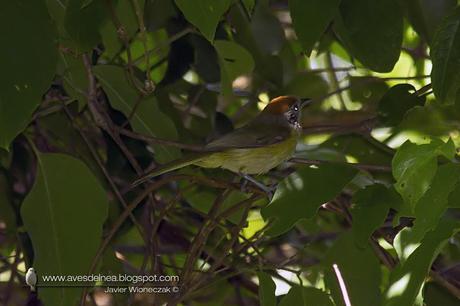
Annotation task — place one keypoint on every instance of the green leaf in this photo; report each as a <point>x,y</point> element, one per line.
<point>75,78</point>
<point>414,167</point>
<point>266,290</point>
<point>396,102</point>
<point>28,62</point>
<point>83,24</point>
<point>426,15</point>
<point>360,270</point>
<point>310,19</point>
<point>204,14</point>
<point>407,278</point>
<point>63,215</point>
<point>371,31</point>
<point>234,61</point>
<point>301,194</point>
<point>306,296</point>
<point>369,210</point>
<point>148,119</point>
<point>433,203</point>
<point>445,55</point>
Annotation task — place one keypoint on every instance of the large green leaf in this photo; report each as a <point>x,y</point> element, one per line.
<point>414,166</point>
<point>369,210</point>
<point>27,59</point>
<point>445,55</point>
<point>301,194</point>
<point>310,19</point>
<point>371,31</point>
<point>82,22</point>
<point>306,296</point>
<point>63,215</point>
<point>234,61</point>
<point>204,14</point>
<point>359,268</point>
<point>407,278</point>
<point>148,119</point>
<point>266,290</point>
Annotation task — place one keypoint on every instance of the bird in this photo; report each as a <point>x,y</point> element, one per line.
<point>31,278</point>
<point>262,144</point>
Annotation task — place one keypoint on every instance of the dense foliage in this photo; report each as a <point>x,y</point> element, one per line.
<point>93,93</point>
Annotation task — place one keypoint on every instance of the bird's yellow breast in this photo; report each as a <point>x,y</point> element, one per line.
<point>251,160</point>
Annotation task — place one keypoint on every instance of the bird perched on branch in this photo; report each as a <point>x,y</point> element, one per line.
<point>259,146</point>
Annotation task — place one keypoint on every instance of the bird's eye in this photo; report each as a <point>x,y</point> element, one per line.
<point>296,108</point>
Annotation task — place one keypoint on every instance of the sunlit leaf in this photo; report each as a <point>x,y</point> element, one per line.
<point>407,279</point>
<point>414,167</point>
<point>27,64</point>
<point>63,214</point>
<point>301,194</point>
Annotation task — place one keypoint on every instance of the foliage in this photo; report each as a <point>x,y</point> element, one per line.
<point>95,93</point>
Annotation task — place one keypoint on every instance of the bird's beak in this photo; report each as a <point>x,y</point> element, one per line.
<point>305,102</point>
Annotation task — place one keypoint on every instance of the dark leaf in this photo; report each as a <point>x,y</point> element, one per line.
<point>396,102</point>
<point>371,31</point>
<point>445,54</point>
<point>311,18</point>
<point>27,65</point>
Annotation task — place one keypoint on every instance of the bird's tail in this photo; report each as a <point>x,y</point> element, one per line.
<point>171,166</point>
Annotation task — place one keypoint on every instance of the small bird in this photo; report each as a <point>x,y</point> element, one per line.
<point>31,278</point>
<point>255,148</point>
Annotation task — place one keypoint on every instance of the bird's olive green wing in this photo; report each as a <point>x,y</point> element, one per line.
<point>250,136</point>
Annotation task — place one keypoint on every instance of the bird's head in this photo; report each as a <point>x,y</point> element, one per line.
<point>287,106</point>
<point>32,270</point>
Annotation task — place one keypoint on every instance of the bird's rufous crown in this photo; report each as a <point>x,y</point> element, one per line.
<point>280,105</point>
